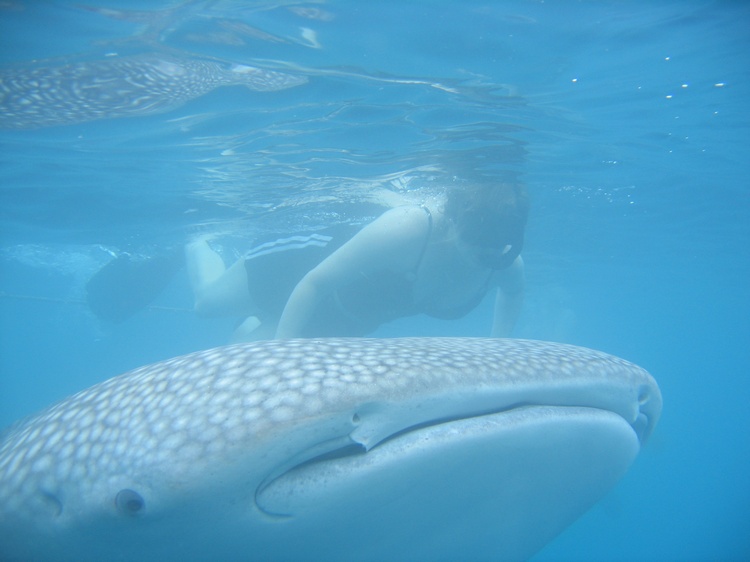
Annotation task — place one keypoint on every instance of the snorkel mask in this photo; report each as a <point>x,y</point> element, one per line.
<point>491,220</point>
<point>498,257</point>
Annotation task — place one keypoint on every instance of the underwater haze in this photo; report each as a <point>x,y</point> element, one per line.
<point>130,128</point>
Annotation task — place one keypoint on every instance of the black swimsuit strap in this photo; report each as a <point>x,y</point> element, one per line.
<point>427,238</point>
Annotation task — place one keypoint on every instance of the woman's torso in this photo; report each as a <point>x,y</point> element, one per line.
<point>448,282</point>
<point>443,282</point>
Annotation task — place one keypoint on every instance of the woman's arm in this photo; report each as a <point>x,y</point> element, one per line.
<point>391,242</point>
<point>509,299</point>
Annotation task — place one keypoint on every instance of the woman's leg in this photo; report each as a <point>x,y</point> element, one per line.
<point>218,290</point>
<point>252,329</point>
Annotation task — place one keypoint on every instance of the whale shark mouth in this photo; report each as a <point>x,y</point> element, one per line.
<point>318,461</point>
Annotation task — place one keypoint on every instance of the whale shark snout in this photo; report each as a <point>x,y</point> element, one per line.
<point>335,449</point>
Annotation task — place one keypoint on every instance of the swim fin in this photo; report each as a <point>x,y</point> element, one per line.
<point>129,283</point>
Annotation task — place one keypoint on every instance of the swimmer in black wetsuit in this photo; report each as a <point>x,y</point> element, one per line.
<point>439,259</point>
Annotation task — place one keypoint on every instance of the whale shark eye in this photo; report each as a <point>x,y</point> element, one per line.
<point>129,502</point>
<point>52,502</point>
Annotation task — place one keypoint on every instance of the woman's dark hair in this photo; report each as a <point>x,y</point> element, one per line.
<point>490,216</point>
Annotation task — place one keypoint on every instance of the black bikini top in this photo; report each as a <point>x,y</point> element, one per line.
<point>384,296</point>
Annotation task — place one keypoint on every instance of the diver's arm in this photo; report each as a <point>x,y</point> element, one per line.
<point>392,241</point>
<point>509,299</point>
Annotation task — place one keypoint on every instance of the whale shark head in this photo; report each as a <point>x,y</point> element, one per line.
<point>331,449</point>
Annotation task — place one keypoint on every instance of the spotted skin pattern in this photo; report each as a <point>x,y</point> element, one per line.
<point>120,87</point>
<point>180,418</point>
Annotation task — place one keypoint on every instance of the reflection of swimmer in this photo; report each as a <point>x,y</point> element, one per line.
<point>440,260</point>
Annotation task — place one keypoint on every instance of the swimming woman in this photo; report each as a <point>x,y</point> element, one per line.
<point>440,259</point>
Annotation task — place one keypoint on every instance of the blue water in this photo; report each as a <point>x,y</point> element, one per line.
<point>627,121</point>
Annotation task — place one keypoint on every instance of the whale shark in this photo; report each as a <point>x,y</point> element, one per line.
<point>40,96</point>
<point>327,449</point>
